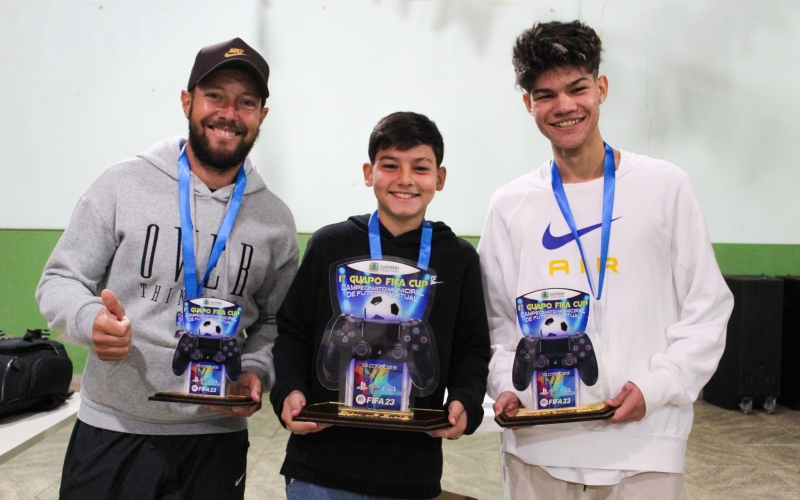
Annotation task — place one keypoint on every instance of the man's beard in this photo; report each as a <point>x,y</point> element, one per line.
<point>220,161</point>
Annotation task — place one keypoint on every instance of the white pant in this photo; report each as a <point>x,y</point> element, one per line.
<point>530,482</point>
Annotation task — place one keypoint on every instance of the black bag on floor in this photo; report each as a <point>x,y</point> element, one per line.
<point>35,373</point>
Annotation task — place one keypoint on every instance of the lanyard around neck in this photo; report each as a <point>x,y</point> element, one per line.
<point>609,182</point>
<point>424,242</point>
<point>193,288</point>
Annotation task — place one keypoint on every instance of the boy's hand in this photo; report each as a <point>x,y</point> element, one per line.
<point>292,405</point>
<point>629,403</point>
<point>506,402</point>
<point>248,384</point>
<point>111,332</point>
<point>457,418</point>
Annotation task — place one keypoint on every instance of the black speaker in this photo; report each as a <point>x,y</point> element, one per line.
<point>790,365</point>
<point>750,369</point>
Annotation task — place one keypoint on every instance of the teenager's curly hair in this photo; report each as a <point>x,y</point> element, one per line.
<point>555,44</point>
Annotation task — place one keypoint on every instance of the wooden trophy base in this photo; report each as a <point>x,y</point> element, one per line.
<point>419,419</point>
<point>197,399</point>
<point>523,417</point>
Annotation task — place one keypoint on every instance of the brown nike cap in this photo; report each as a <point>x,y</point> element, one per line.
<point>231,54</point>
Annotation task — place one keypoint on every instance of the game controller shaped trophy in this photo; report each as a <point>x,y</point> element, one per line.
<point>207,354</point>
<point>378,351</point>
<point>354,339</point>
<point>554,360</point>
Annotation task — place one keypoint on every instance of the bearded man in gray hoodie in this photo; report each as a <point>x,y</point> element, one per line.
<point>115,283</point>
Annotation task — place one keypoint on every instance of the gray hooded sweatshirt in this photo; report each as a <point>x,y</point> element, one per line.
<point>125,236</point>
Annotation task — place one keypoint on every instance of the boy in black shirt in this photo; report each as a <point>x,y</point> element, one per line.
<point>405,152</point>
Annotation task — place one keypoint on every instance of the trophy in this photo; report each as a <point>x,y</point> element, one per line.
<point>554,362</point>
<point>378,351</point>
<point>207,355</point>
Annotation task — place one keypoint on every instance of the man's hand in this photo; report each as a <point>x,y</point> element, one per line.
<point>292,405</point>
<point>248,384</point>
<point>457,417</point>
<point>506,402</point>
<point>629,404</point>
<point>111,332</point>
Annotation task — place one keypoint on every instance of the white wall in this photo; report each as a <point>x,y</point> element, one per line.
<point>706,84</point>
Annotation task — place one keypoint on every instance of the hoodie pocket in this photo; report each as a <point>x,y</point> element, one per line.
<point>119,365</point>
<point>127,386</point>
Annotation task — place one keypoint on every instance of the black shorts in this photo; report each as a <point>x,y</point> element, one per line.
<point>103,464</point>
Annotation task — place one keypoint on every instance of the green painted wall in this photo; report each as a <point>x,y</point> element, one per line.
<point>23,254</point>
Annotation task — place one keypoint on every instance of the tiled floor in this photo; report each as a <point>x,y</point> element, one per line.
<point>730,456</point>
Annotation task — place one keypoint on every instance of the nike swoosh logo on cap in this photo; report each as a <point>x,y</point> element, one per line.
<point>234,53</point>
<point>551,242</point>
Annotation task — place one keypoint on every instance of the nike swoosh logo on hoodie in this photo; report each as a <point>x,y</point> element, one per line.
<point>551,242</point>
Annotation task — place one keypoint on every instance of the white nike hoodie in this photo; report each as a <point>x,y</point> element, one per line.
<point>660,323</point>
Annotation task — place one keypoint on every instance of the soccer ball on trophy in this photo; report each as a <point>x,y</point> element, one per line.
<point>210,327</point>
<point>554,326</point>
<point>382,307</point>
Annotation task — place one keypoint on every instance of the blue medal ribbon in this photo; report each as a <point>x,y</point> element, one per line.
<point>424,242</point>
<point>193,288</point>
<point>609,183</point>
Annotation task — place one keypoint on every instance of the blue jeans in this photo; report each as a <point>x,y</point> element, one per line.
<point>301,490</point>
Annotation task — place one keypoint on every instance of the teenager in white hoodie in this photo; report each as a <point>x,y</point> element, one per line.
<point>657,315</point>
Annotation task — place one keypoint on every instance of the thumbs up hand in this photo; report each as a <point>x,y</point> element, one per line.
<point>111,332</point>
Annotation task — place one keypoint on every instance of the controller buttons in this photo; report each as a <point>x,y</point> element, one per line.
<point>351,334</point>
<point>414,347</point>
<point>415,331</point>
<point>407,338</point>
<point>424,340</point>
<point>235,349</point>
<point>582,355</point>
<point>361,350</point>
<point>582,341</point>
<point>589,347</point>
